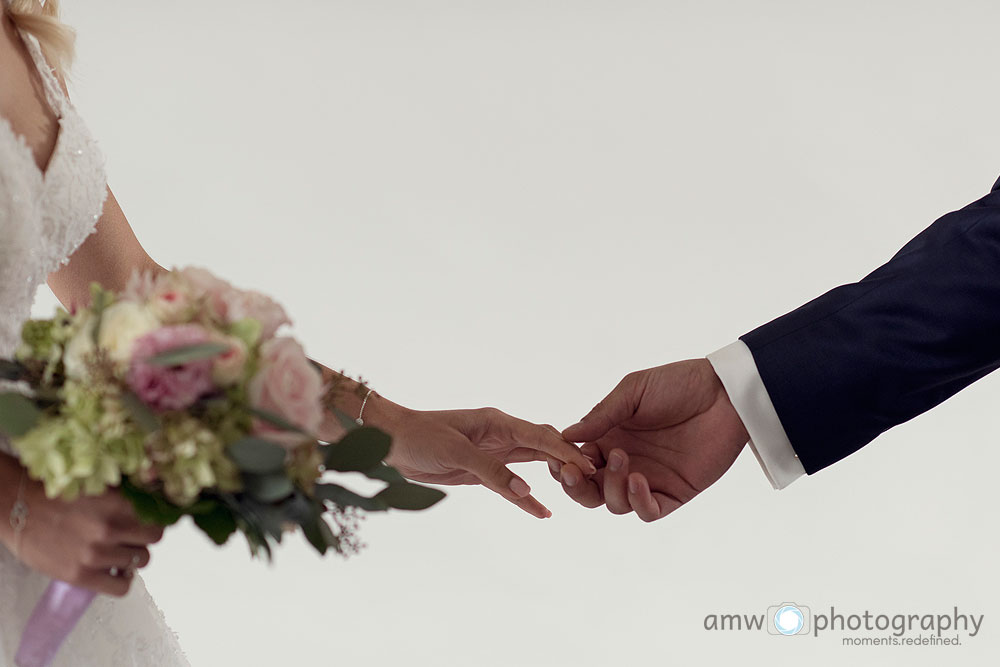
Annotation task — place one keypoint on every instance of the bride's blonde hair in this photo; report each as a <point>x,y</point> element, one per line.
<point>42,21</point>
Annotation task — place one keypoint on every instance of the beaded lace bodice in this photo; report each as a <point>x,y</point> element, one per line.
<point>44,218</point>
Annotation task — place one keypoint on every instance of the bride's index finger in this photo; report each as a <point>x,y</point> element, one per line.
<point>547,439</point>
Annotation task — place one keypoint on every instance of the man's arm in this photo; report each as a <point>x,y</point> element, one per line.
<point>837,371</point>
<point>867,356</point>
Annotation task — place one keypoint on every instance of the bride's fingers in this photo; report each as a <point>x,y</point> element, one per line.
<point>533,507</point>
<point>495,476</point>
<point>545,438</point>
<point>525,455</point>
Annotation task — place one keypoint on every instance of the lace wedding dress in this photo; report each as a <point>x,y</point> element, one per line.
<point>44,217</point>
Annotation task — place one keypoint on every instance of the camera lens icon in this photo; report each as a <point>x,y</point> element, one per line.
<point>788,619</point>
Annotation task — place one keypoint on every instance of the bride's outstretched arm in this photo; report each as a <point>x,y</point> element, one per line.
<point>442,447</point>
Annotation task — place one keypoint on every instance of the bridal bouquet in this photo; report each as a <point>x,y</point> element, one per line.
<point>180,393</point>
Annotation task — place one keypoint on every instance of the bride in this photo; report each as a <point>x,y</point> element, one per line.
<point>60,223</point>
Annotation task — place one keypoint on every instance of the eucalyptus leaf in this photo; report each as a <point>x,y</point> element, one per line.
<point>256,455</point>
<point>407,496</point>
<point>10,370</point>
<point>275,420</point>
<point>218,523</point>
<point>268,488</point>
<point>328,536</point>
<point>188,353</point>
<point>361,449</point>
<point>314,534</point>
<point>151,507</point>
<point>385,473</point>
<point>140,412</point>
<point>18,414</point>
<point>347,498</point>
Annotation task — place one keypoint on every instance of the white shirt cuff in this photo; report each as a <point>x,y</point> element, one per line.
<point>736,368</point>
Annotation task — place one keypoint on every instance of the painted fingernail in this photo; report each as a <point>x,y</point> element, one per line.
<point>519,487</point>
<point>633,486</point>
<point>615,461</point>
<point>569,478</point>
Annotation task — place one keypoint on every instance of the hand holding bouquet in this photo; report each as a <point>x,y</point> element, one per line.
<point>179,392</point>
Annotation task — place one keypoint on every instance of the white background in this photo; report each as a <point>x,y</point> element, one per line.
<point>515,203</point>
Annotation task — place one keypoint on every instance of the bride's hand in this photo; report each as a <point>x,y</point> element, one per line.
<point>472,447</point>
<point>79,541</point>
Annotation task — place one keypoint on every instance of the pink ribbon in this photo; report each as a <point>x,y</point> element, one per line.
<point>56,614</point>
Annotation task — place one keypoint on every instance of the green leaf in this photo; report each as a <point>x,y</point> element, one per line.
<point>100,300</point>
<point>328,536</point>
<point>346,498</point>
<point>348,422</point>
<point>275,420</point>
<point>268,488</point>
<point>10,370</point>
<point>140,412</point>
<point>218,523</point>
<point>361,449</point>
<point>18,414</point>
<point>312,532</point>
<point>385,473</point>
<point>407,496</point>
<point>256,455</point>
<point>151,507</point>
<point>188,353</point>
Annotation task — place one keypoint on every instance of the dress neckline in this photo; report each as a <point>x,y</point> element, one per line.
<point>54,98</point>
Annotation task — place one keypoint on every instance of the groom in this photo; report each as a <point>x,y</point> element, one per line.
<point>811,387</point>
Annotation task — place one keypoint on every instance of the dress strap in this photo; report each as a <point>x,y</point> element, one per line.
<point>53,91</point>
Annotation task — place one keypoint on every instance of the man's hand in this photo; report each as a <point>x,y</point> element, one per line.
<point>660,438</point>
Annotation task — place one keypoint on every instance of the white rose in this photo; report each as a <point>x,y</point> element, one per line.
<point>79,347</point>
<point>121,325</point>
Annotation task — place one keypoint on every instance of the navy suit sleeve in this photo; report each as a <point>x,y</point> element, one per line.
<point>867,356</point>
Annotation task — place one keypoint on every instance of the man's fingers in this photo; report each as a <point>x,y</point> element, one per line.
<point>616,482</point>
<point>584,490</point>
<point>649,505</point>
<point>616,407</point>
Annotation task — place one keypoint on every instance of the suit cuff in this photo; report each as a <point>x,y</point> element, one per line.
<point>736,368</point>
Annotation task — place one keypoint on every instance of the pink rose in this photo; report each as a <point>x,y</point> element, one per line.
<point>215,291</point>
<point>169,387</point>
<point>241,304</point>
<point>228,304</point>
<point>289,386</point>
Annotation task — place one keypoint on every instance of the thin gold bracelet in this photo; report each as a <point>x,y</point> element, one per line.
<point>360,421</point>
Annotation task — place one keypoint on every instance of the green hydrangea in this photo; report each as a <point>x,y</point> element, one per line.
<point>86,448</point>
<point>190,457</point>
